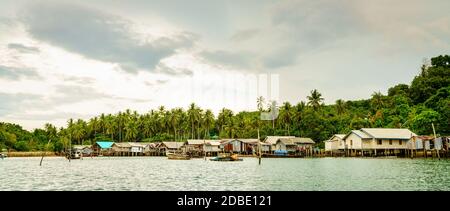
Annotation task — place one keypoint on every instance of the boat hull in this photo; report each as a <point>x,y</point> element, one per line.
<point>175,156</point>
<point>226,158</point>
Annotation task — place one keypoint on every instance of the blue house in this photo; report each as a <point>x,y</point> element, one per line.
<point>102,147</point>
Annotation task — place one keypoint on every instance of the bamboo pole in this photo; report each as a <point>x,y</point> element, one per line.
<point>43,154</point>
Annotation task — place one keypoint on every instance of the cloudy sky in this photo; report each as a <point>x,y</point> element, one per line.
<point>76,59</point>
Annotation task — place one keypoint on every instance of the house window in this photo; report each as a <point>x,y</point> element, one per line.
<point>390,142</point>
<point>380,142</point>
<point>400,142</point>
<point>351,142</point>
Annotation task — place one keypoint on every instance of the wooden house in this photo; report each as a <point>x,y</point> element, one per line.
<point>294,145</point>
<point>121,149</point>
<point>212,147</point>
<point>102,147</point>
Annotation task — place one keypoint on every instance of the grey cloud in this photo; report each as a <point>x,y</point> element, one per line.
<point>244,35</point>
<point>74,93</point>
<point>78,80</point>
<point>14,73</point>
<point>99,36</point>
<point>238,59</point>
<point>306,26</point>
<point>317,20</point>
<point>13,103</point>
<point>282,57</point>
<point>157,82</point>
<point>23,48</point>
<point>163,68</point>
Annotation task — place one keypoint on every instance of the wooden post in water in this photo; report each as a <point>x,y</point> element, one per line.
<point>204,148</point>
<point>43,154</point>
<point>259,150</point>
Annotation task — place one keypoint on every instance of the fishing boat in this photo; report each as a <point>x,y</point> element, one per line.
<point>177,156</point>
<point>73,155</point>
<point>226,157</point>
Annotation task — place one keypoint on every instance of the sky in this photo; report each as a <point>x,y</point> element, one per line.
<point>78,59</point>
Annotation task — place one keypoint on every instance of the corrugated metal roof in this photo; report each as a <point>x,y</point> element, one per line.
<point>297,140</point>
<point>359,133</point>
<point>389,133</point>
<point>302,140</point>
<point>274,139</point>
<point>122,145</point>
<point>173,144</point>
<point>81,146</point>
<point>213,142</point>
<point>138,144</point>
<point>196,142</point>
<point>105,144</point>
<point>249,140</point>
<point>339,136</point>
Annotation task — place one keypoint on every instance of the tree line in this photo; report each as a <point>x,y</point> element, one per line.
<point>415,106</point>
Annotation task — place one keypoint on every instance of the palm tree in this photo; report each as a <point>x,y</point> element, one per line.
<point>94,125</point>
<point>260,103</point>
<point>147,128</point>
<point>208,121</point>
<point>70,128</point>
<point>286,115</point>
<point>120,121</point>
<point>79,130</point>
<point>131,130</point>
<point>340,106</point>
<point>51,131</point>
<point>377,100</point>
<point>194,117</point>
<point>174,119</point>
<point>315,100</point>
<point>102,123</point>
<point>110,125</point>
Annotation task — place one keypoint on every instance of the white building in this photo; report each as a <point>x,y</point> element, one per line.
<point>335,143</point>
<point>378,140</point>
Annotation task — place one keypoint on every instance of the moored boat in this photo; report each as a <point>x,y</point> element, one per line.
<point>73,155</point>
<point>226,157</point>
<point>177,156</point>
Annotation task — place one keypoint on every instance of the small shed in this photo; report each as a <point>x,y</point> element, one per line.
<point>195,147</point>
<point>170,146</point>
<point>121,149</point>
<point>212,147</point>
<point>137,148</point>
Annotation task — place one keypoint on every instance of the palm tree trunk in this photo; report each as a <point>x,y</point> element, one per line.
<point>192,131</point>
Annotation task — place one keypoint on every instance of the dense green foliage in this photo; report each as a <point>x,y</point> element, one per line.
<point>415,106</point>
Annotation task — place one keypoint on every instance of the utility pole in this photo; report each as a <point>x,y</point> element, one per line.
<point>434,132</point>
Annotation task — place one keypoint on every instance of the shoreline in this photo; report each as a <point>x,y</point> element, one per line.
<point>53,154</point>
<point>32,154</point>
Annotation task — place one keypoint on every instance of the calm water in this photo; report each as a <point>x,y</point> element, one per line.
<point>158,173</point>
